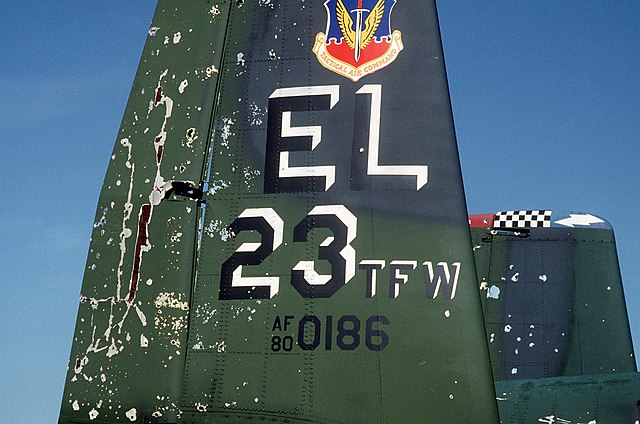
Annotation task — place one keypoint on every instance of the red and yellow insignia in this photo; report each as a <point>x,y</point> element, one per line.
<point>358,40</point>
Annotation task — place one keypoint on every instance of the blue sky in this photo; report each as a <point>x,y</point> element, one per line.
<point>546,99</point>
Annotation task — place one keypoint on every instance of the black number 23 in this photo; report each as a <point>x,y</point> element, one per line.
<point>336,249</point>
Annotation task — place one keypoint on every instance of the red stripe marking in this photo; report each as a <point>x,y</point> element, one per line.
<point>481,221</point>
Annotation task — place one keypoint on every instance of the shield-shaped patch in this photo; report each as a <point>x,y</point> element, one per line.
<point>358,39</point>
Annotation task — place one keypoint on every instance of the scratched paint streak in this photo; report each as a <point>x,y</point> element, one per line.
<point>142,245</point>
<point>114,325</point>
<point>105,342</point>
<point>158,192</point>
<point>128,208</point>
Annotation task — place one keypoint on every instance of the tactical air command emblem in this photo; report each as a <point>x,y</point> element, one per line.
<point>358,40</point>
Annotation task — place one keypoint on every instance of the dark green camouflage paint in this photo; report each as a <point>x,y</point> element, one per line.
<point>559,302</point>
<point>588,399</point>
<point>173,346</point>
<point>557,325</point>
<point>127,360</point>
<point>159,340</point>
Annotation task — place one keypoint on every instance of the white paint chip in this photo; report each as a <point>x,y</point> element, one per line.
<point>183,85</point>
<point>132,414</point>
<point>141,316</point>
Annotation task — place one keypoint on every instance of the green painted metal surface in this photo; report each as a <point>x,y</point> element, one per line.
<point>127,360</point>
<point>282,236</point>
<point>610,398</point>
<point>553,304</point>
<point>556,320</point>
<point>330,277</point>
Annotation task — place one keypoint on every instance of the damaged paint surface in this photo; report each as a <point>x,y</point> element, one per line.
<point>534,290</point>
<point>133,313</point>
<point>218,289</point>
<point>556,324</point>
<point>158,324</point>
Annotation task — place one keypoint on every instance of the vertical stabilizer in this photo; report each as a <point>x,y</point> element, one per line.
<point>333,279</point>
<point>552,295</point>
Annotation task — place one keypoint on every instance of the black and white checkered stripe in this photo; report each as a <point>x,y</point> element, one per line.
<point>523,219</point>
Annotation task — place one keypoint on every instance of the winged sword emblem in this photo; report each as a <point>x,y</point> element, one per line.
<point>356,37</point>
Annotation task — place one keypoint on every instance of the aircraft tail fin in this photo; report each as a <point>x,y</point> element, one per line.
<point>330,277</point>
<point>552,295</point>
